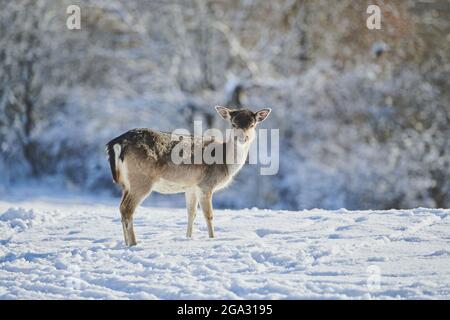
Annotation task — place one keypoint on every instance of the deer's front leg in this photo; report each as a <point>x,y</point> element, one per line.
<point>206,204</point>
<point>191,205</point>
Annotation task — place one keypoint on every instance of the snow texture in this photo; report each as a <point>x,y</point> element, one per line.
<point>73,249</point>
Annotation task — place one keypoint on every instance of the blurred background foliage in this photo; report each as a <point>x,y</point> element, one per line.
<point>363,114</point>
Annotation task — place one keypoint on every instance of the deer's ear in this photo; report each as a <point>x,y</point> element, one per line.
<point>224,112</point>
<point>262,114</point>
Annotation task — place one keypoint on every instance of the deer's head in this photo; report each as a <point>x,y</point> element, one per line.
<point>243,122</point>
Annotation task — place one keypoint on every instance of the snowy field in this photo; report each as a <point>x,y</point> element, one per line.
<point>73,249</point>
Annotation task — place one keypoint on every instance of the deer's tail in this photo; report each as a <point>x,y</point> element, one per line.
<point>115,156</point>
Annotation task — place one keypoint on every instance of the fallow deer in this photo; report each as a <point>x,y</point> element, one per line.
<point>141,162</point>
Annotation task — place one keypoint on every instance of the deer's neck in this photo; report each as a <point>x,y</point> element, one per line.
<point>236,154</point>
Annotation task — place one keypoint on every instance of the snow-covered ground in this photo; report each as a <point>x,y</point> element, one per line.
<point>71,249</point>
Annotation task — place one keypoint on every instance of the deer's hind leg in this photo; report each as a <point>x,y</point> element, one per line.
<point>139,188</point>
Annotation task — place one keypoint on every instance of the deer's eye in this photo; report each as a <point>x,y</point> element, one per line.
<point>233,125</point>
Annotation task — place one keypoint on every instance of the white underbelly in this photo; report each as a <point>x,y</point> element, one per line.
<point>169,187</point>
